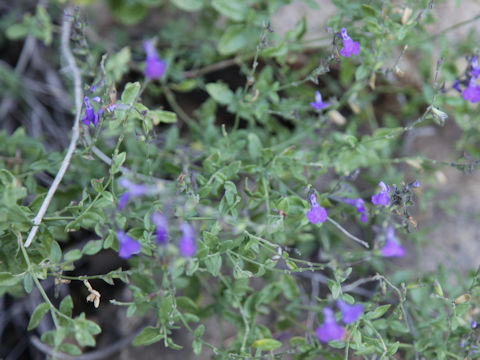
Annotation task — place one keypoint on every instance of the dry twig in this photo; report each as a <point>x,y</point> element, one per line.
<point>67,54</point>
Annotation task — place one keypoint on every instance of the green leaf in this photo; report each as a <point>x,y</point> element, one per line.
<point>66,306</point>
<point>361,72</point>
<point>335,288</point>
<point>374,27</point>
<point>230,192</point>
<point>197,346</point>
<point>83,336</point>
<point>127,12</point>
<point>73,255</point>
<point>266,344</point>
<point>147,336</point>
<point>297,341</point>
<point>188,5</point>
<point>37,315</point>
<point>28,283</point>
<point>438,116</point>
<point>162,116</point>
<point>130,92</point>
<point>17,31</point>
<point>379,311</point>
<point>198,333</point>
<point>213,264</point>
<point>118,161</point>
<point>131,310</point>
<point>254,146</point>
<point>43,25</point>
<point>186,304</point>
<point>220,93</point>
<point>7,279</point>
<point>92,247</point>
<point>298,31</point>
<point>291,265</point>
<point>369,10</point>
<point>55,252</point>
<point>71,349</point>
<point>235,10</point>
<point>166,308</point>
<point>235,38</point>
<point>117,64</point>
<point>211,240</point>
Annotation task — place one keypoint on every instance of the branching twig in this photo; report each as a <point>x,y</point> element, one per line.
<point>67,54</point>
<point>214,67</point>
<point>353,237</point>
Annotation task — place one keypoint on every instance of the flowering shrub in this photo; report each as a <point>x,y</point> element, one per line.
<point>205,195</point>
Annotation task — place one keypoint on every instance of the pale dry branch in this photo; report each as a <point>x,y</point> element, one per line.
<point>67,54</point>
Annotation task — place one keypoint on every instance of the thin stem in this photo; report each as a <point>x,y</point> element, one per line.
<point>216,66</point>
<point>454,26</point>
<point>67,54</point>
<point>183,115</point>
<point>353,237</point>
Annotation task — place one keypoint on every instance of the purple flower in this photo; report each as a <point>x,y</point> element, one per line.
<point>316,213</point>
<point>350,313</point>
<point>350,47</point>
<point>187,245</point>
<point>329,330</point>
<point>456,85</point>
<point>90,117</point>
<point>359,206</point>
<point>318,104</point>
<point>97,99</point>
<point>133,189</point>
<point>475,68</point>
<point>472,91</point>
<point>128,246</point>
<point>161,228</point>
<point>473,324</point>
<point>415,184</point>
<point>154,67</point>
<point>392,248</point>
<point>382,197</point>
<point>122,201</point>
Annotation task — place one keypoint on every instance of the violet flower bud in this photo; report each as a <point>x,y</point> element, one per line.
<point>128,246</point>
<point>472,91</point>
<point>161,228</point>
<point>359,206</point>
<point>329,330</point>
<point>316,213</point>
<point>382,197</point>
<point>187,245</point>
<point>154,67</point>
<point>350,47</point>
<point>350,313</point>
<point>392,248</point>
<point>318,104</point>
<point>90,117</point>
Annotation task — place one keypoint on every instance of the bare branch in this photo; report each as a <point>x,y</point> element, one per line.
<point>67,54</point>
<point>353,237</point>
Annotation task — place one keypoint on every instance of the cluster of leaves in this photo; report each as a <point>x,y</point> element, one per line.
<point>237,159</point>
